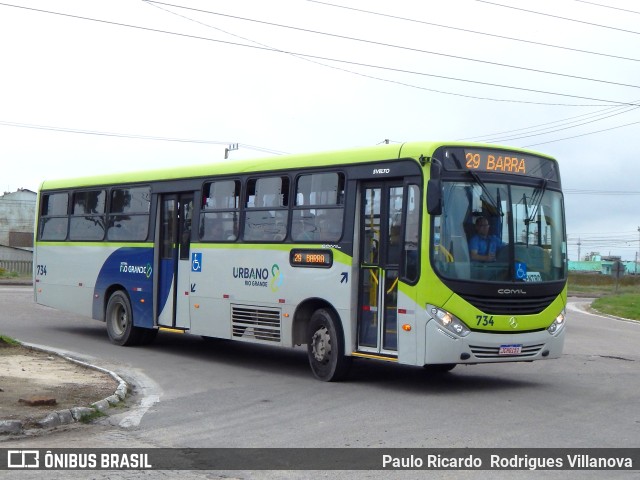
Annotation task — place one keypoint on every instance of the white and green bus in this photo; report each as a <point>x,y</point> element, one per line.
<point>369,252</point>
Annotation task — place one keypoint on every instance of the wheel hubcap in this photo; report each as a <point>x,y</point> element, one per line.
<point>321,344</point>
<point>121,320</point>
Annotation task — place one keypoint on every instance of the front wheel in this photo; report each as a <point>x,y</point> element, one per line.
<point>119,319</point>
<point>439,368</point>
<point>325,347</point>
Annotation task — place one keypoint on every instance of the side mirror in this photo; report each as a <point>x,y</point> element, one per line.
<point>436,170</point>
<point>434,197</point>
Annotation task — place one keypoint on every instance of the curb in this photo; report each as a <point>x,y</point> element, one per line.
<point>74,414</point>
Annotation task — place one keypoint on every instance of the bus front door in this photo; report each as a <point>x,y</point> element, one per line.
<point>380,254</point>
<point>173,240</point>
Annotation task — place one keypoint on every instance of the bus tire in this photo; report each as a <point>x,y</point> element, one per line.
<point>147,336</point>
<point>325,347</point>
<point>119,317</point>
<point>439,368</point>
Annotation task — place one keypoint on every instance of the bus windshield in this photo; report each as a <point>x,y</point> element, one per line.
<point>499,232</point>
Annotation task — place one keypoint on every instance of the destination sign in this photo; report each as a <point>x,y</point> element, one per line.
<point>499,161</point>
<point>311,258</point>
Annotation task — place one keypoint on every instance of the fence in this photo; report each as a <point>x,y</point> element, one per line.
<point>22,267</point>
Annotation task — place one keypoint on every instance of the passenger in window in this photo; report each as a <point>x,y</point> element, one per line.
<point>483,246</point>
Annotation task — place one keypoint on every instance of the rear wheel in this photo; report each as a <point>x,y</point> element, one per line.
<point>325,347</point>
<point>119,319</point>
<point>148,336</point>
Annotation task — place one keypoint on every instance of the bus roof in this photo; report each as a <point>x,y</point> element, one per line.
<point>263,164</point>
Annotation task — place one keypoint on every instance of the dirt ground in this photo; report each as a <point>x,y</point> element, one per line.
<point>26,374</point>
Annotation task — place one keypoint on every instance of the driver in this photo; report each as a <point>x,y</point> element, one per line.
<point>482,246</point>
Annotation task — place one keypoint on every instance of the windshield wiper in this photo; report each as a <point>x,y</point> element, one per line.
<point>536,201</point>
<point>486,191</point>
<point>479,181</point>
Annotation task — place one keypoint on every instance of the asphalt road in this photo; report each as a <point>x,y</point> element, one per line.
<point>195,393</point>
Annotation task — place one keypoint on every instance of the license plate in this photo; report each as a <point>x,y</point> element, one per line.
<point>510,349</point>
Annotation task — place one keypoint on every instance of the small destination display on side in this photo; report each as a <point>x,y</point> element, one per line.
<point>308,257</point>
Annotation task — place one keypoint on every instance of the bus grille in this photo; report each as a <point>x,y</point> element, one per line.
<point>255,322</point>
<point>492,352</point>
<point>510,306</point>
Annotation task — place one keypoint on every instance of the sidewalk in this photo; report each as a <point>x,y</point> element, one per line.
<point>41,388</point>
<point>21,281</point>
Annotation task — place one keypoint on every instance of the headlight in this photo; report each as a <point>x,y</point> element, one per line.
<point>448,321</point>
<point>558,323</point>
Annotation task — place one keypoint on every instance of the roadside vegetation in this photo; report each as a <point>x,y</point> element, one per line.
<point>7,274</point>
<point>8,341</point>
<point>614,297</point>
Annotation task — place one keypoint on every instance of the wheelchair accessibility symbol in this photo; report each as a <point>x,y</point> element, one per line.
<point>521,271</point>
<point>196,262</point>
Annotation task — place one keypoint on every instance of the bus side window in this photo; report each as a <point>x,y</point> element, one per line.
<point>412,234</point>
<point>220,211</point>
<point>266,209</point>
<point>129,214</point>
<point>87,215</point>
<point>318,211</point>
<point>185,227</point>
<point>54,221</point>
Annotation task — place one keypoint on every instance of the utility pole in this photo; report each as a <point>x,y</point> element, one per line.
<point>579,249</point>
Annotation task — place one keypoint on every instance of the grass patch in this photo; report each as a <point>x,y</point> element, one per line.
<point>620,298</point>
<point>8,341</point>
<point>597,285</point>
<point>626,305</point>
<point>4,273</point>
<point>92,416</point>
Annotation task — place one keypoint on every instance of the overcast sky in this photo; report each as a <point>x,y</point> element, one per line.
<point>111,81</point>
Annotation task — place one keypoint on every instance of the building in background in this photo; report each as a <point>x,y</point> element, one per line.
<point>17,218</point>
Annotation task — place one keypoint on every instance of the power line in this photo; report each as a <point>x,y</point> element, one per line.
<point>400,47</point>
<point>139,137</point>
<point>397,70</point>
<point>565,121</point>
<point>475,32</point>
<point>608,6</point>
<point>548,131</point>
<point>559,17</point>
<point>582,135</point>
<point>372,77</point>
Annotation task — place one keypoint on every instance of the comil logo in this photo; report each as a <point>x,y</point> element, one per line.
<point>512,291</point>
<point>23,459</point>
